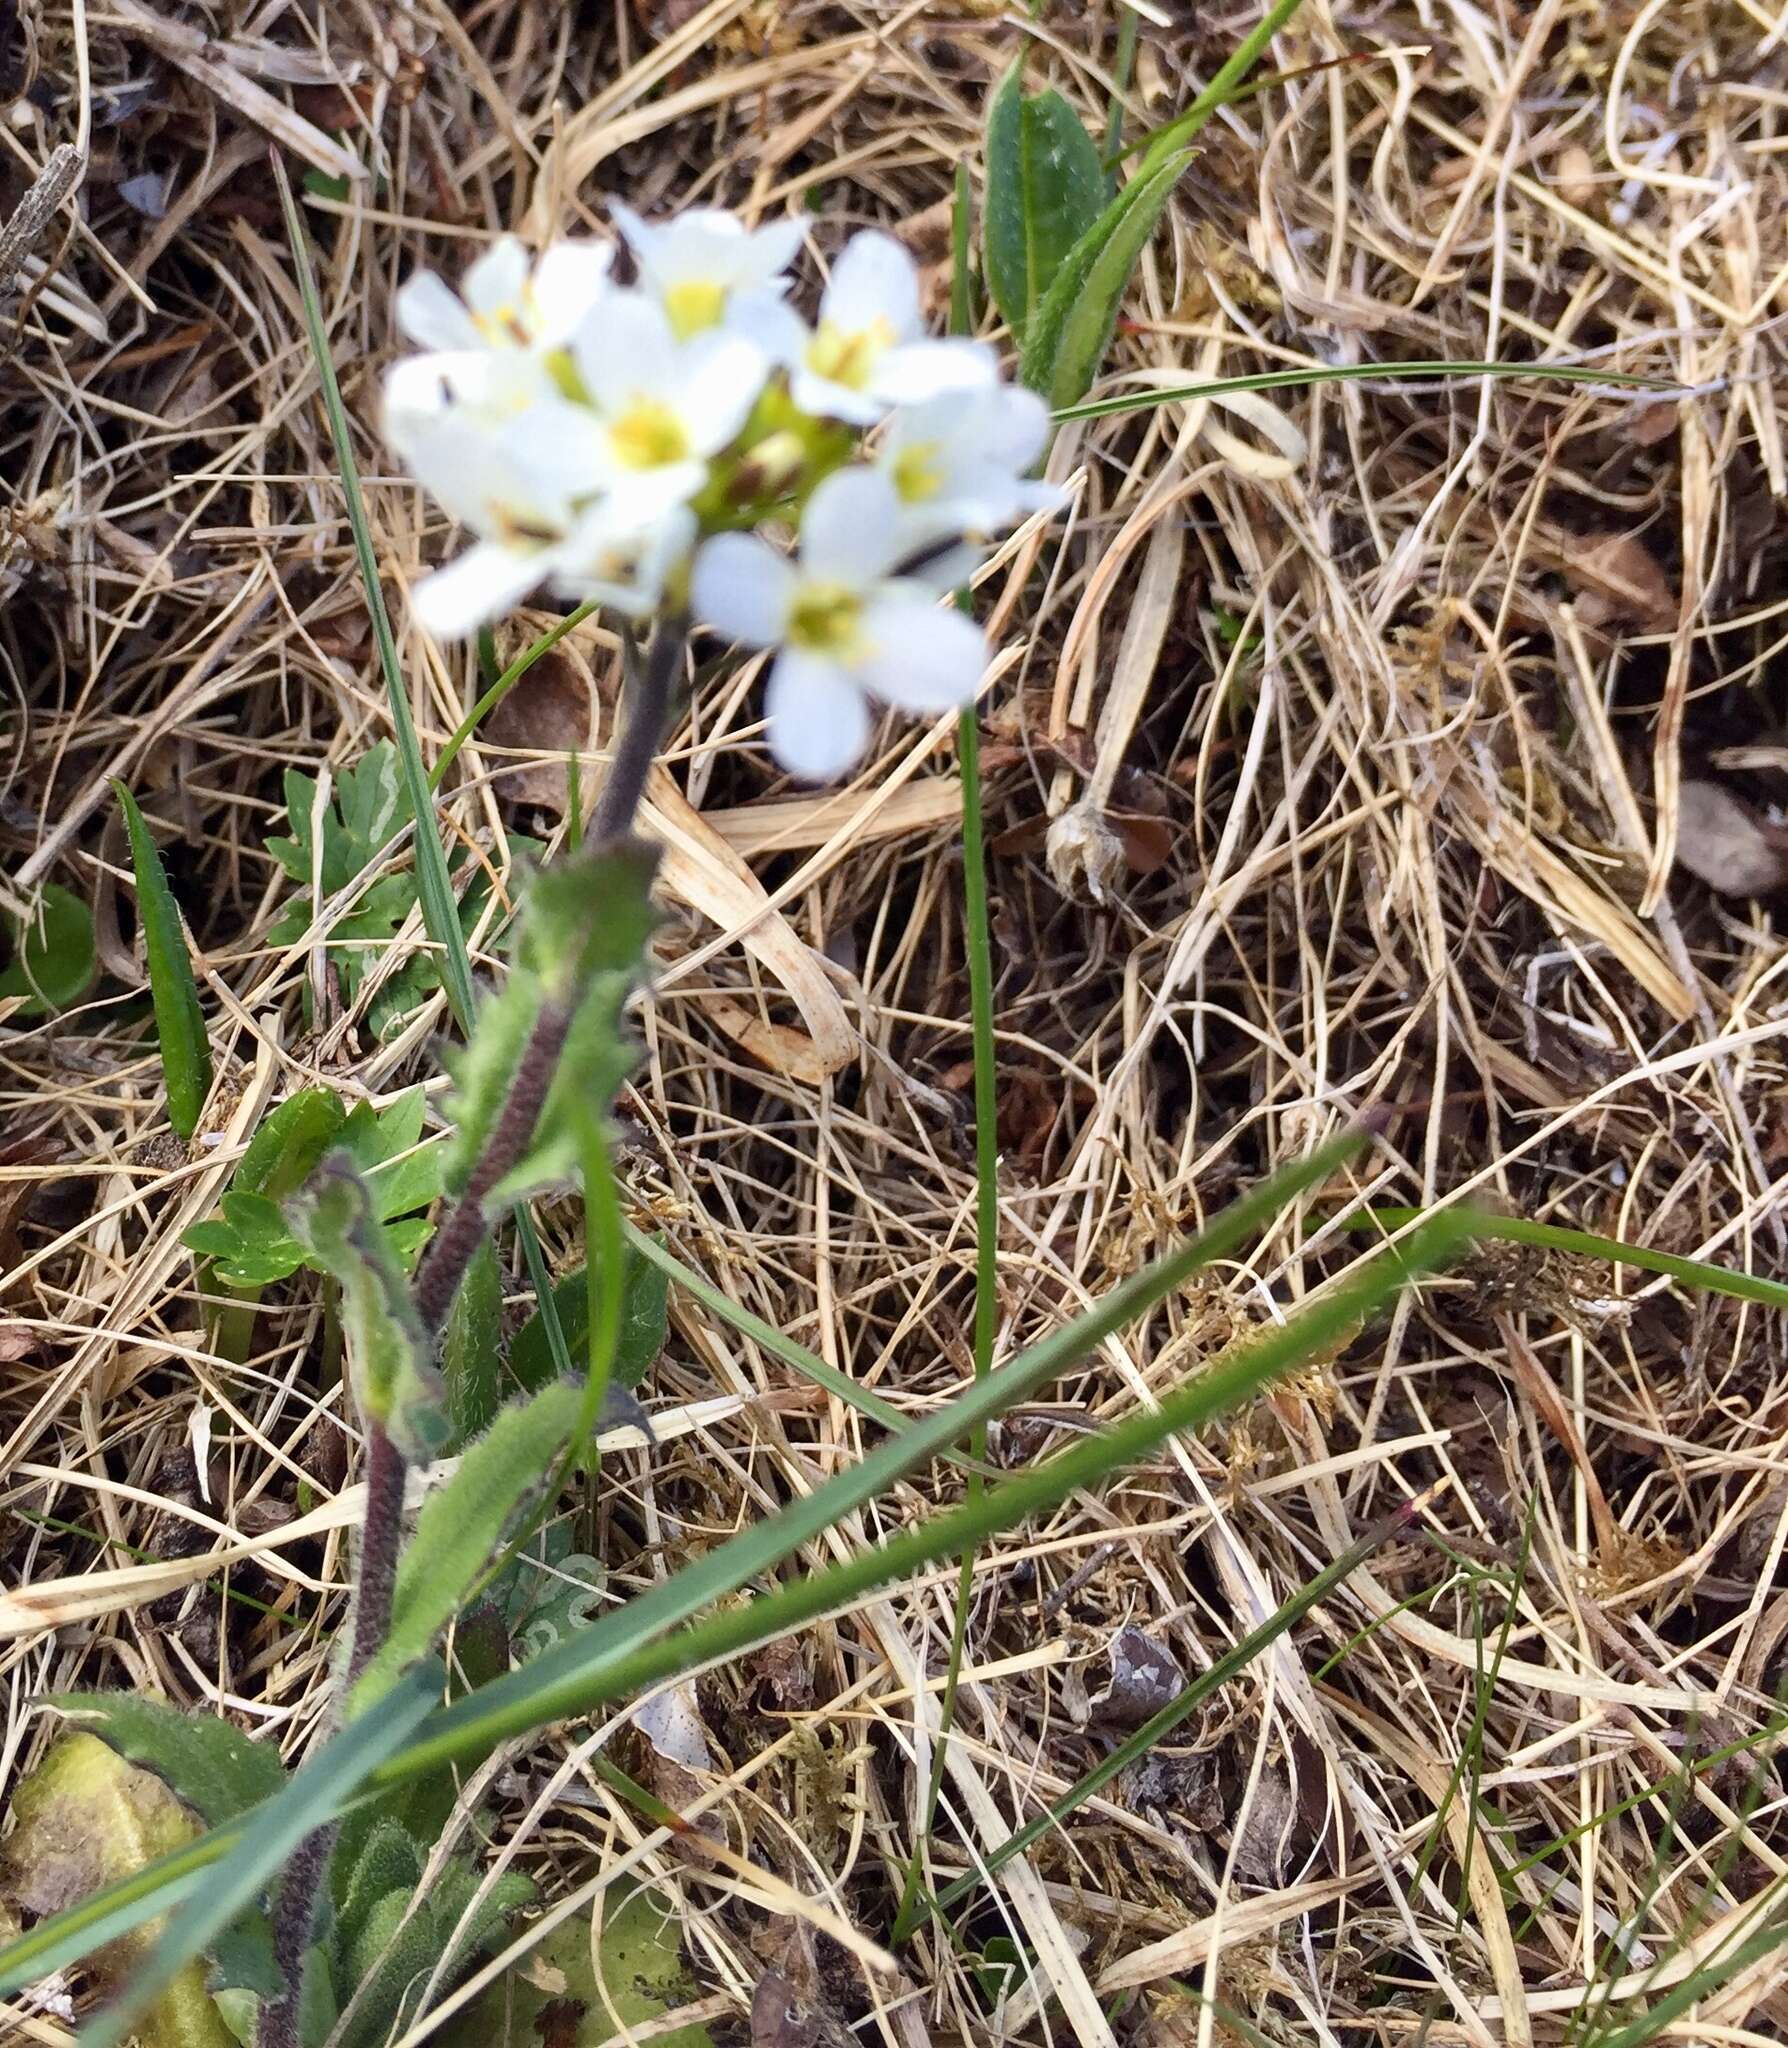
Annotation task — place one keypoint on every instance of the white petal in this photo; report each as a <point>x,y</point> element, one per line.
<point>850,532</point>
<point>742,587</point>
<point>1016,428</point>
<point>724,375</point>
<point>568,281</point>
<point>774,248</point>
<point>828,401</point>
<point>430,312</point>
<point>619,565</point>
<point>920,658</point>
<point>485,582</point>
<point>641,235</point>
<point>625,348</point>
<point>874,280</point>
<point>777,329</point>
<point>495,283</point>
<point>819,723</point>
<point>919,370</point>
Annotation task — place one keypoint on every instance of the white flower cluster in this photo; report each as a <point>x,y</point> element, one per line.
<point>632,444</point>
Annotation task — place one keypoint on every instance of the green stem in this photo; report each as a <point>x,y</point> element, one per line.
<point>1231,76</point>
<point>913,1910</point>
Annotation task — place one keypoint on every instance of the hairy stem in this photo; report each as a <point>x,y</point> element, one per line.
<point>381,1538</point>
<point>294,1917</point>
<point>651,692</point>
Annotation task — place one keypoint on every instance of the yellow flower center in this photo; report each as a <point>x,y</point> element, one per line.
<point>919,472</point>
<point>824,619</point>
<point>694,306</point>
<point>848,356</point>
<point>648,435</point>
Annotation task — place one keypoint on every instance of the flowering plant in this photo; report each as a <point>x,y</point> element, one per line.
<point>647,446</point>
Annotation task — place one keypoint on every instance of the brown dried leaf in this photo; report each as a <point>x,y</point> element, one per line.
<point>1720,839</point>
<point>1623,577</point>
<point>1145,1676</point>
<point>549,714</point>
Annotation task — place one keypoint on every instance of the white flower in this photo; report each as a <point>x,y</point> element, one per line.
<point>604,555</point>
<point>958,463</point>
<point>869,350</point>
<point>849,628</point>
<point>701,264</point>
<point>663,406</point>
<point>509,303</point>
<point>519,469</point>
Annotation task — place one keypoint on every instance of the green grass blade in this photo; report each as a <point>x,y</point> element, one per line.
<point>611,1662</point>
<point>1230,1665</point>
<point>615,1651</point>
<point>1696,1273</point>
<point>1349,373</point>
<point>501,687</point>
<point>179,1021</point>
<point>564,1671</point>
<point>768,1338</point>
<point>1231,76</point>
<point>266,1841</point>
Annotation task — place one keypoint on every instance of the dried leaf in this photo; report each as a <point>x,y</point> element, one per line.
<point>82,1820</point>
<point>549,713</point>
<point>1623,577</point>
<point>1720,839</point>
<point>1145,1676</point>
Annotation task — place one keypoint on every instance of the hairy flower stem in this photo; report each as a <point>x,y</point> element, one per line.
<point>438,1279</point>
<point>651,691</point>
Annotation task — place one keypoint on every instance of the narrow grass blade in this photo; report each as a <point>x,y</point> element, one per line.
<point>1231,76</point>
<point>179,1021</point>
<point>627,1649</point>
<point>563,1672</point>
<point>1157,1729</point>
<point>500,689</point>
<point>611,1662</point>
<point>263,1847</point>
<point>1696,1273</point>
<point>1349,373</point>
<point>768,1338</point>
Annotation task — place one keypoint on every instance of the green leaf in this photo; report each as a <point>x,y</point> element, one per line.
<point>55,961</point>
<point>472,1346</point>
<point>389,1860</point>
<point>250,1242</point>
<point>644,1320</point>
<point>202,1760</point>
<point>1065,344</point>
<point>639,1952</point>
<point>462,1524</point>
<point>1045,189</point>
<point>262,1851</point>
<point>179,1021</point>
<point>547,1594</point>
<point>402,1172</point>
<point>288,1143</point>
<point>395,1382</point>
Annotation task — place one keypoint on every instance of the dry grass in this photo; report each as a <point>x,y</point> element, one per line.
<point>1396,732</point>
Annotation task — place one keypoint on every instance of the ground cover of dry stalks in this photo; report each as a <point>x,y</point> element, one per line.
<point>1398,700</point>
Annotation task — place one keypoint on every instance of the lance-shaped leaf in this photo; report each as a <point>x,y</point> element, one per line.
<point>1045,189</point>
<point>335,1218</point>
<point>179,1021</point>
<point>210,1765</point>
<point>462,1525</point>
